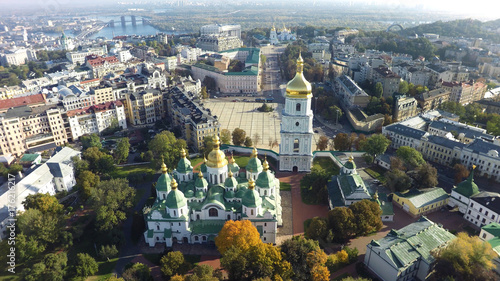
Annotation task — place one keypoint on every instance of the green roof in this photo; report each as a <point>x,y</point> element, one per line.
<point>29,157</point>
<point>200,182</point>
<point>468,187</point>
<point>247,71</point>
<point>421,198</point>
<point>184,166</point>
<point>206,226</point>
<point>495,244</point>
<point>385,205</point>
<point>215,195</point>
<point>492,228</point>
<point>251,199</point>
<point>349,183</point>
<point>254,165</point>
<point>203,168</point>
<point>230,182</point>
<point>233,167</point>
<point>176,199</point>
<point>265,179</point>
<point>163,183</point>
<point>402,247</point>
<point>206,67</point>
<point>150,233</point>
<point>350,165</point>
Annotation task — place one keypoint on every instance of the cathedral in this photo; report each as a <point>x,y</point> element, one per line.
<point>193,207</point>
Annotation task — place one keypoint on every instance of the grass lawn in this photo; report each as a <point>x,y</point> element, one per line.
<point>377,173</point>
<point>285,186</point>
<point>105,270</point>
<point>327,164</point>
<point>123,172</point>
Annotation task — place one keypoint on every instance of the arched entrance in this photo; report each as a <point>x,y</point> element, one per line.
<point>185,240</point>
<point>174,240</point>
<point>295,169</point>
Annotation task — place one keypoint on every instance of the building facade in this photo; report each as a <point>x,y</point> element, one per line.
<point>144,107</point>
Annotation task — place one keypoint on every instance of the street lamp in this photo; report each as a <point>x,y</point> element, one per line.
<point>337,117</point>
<point>315,105</point>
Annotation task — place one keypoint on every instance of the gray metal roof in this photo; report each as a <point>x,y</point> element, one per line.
<point>445,142</point>
<point>481,146</point>
<point>406,131</point>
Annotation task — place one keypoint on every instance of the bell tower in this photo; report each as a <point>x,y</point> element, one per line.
<point>297,124</point>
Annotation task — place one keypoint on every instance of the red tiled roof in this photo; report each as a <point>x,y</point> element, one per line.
<point>89,81</point>
<point>99,61</point>
<point>94,108</point>
<point>20,101</point>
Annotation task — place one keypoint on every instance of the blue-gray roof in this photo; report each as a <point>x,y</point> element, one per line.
<point>481,146</point>
<point>468,132</point>
<point>406,131</point>
<point>491,200</point>
<point>445,142</point>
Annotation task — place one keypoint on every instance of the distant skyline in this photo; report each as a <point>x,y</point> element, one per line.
<point>479,9</point>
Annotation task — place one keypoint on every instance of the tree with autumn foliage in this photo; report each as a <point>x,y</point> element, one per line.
<point>316,261</point>
<point>241,234</point>
<point>246,257</point>
<point>461,172</point>
<point>464,258</point>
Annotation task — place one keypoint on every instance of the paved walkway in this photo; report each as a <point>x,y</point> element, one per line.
<point>300,211</point>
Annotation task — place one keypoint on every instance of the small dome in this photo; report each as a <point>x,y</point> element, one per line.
<point>200,182</point>
<point>251,198</point>
<point>254,165</point>
<point>230,181</point>
<point>265,179</point>
<point>203,167</point>
<point>175,198</point>
<point>468,187</point>
<point>199,194</point>
<point>189,194</point>
<point>229,194</point>
<point>216,158</point>
<point>164,181</point>
<point>350,164</point>
<point>233,166</point>
<point>299,87</point>
<point>184,165</point>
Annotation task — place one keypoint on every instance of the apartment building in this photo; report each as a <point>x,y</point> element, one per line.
<point>221,30</point>
<point>17,56</point>
<point>389,80</point>
<point>96,118</point>
<point>216,43</point>
<point>404,107</point>
<point>431,100</point>
<point>79,57</point>
<point>144,107</point>
<point>195,121</point>
<point>31,101</point>
<point>350,93</point>
<point>32,128</point>
<point>247,81</point>
<point>100,66</point>
<point>103,94</point>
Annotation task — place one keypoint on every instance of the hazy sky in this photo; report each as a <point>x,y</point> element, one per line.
<point>480,9</point>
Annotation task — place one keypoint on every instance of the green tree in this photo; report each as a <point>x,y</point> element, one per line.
<point>110,200</point>
<point>122,150</point>
<point>248,142</point>
<point>426,176</point>
<point>238,136</point>
<point>322,143</point>
<point>14,169</point>
<point>367,216</point>
<point>317,229</point>
<point>295,251</point>
<point>410,156</point>
<point>28,248</point>
<point>46,228</point>
<point>108,251</point>
<point>173,263</point>
<point>341,223</point>
<point>45,203</point>
<point>342,142</point>
<point>403,87</point>
<point>85,265</point>
<point>203,272</point>
<point>376,145</point>
<point>166,145</point>
<point>52,267</point>
<point>137,272</point>
<point>79,165</point>
<point>92,140</point>
<point>378,90</point>
<point>225,136</point>
<point>210,83</point>
<point>397,180</point>
<point>464,258</point>
<point>208,144</point>
<point>86,182</point>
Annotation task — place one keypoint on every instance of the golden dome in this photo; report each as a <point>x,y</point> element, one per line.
<point>200,174</point>
<point>216,158</point>
<point>230,174</point>
<point>251,184</point>
<point>265,165</point>
<point>174,184</point>
<point>254,152</point>
<point>163,166</point>
<point>299,87</point>
<point>183,153</point>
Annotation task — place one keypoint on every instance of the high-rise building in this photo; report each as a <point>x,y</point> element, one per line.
<point>296,124</point>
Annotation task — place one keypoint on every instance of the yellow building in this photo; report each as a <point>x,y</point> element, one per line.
<point>420,202</point>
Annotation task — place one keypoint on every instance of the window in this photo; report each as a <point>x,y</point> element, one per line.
<point>251,212</point>
<point>196,238</point>
<point>297,107</point>
<point>297,124</point>
<point>175,214</point>
<point>484,235</point>
<point>296,145</point>
<point>212,212</point>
